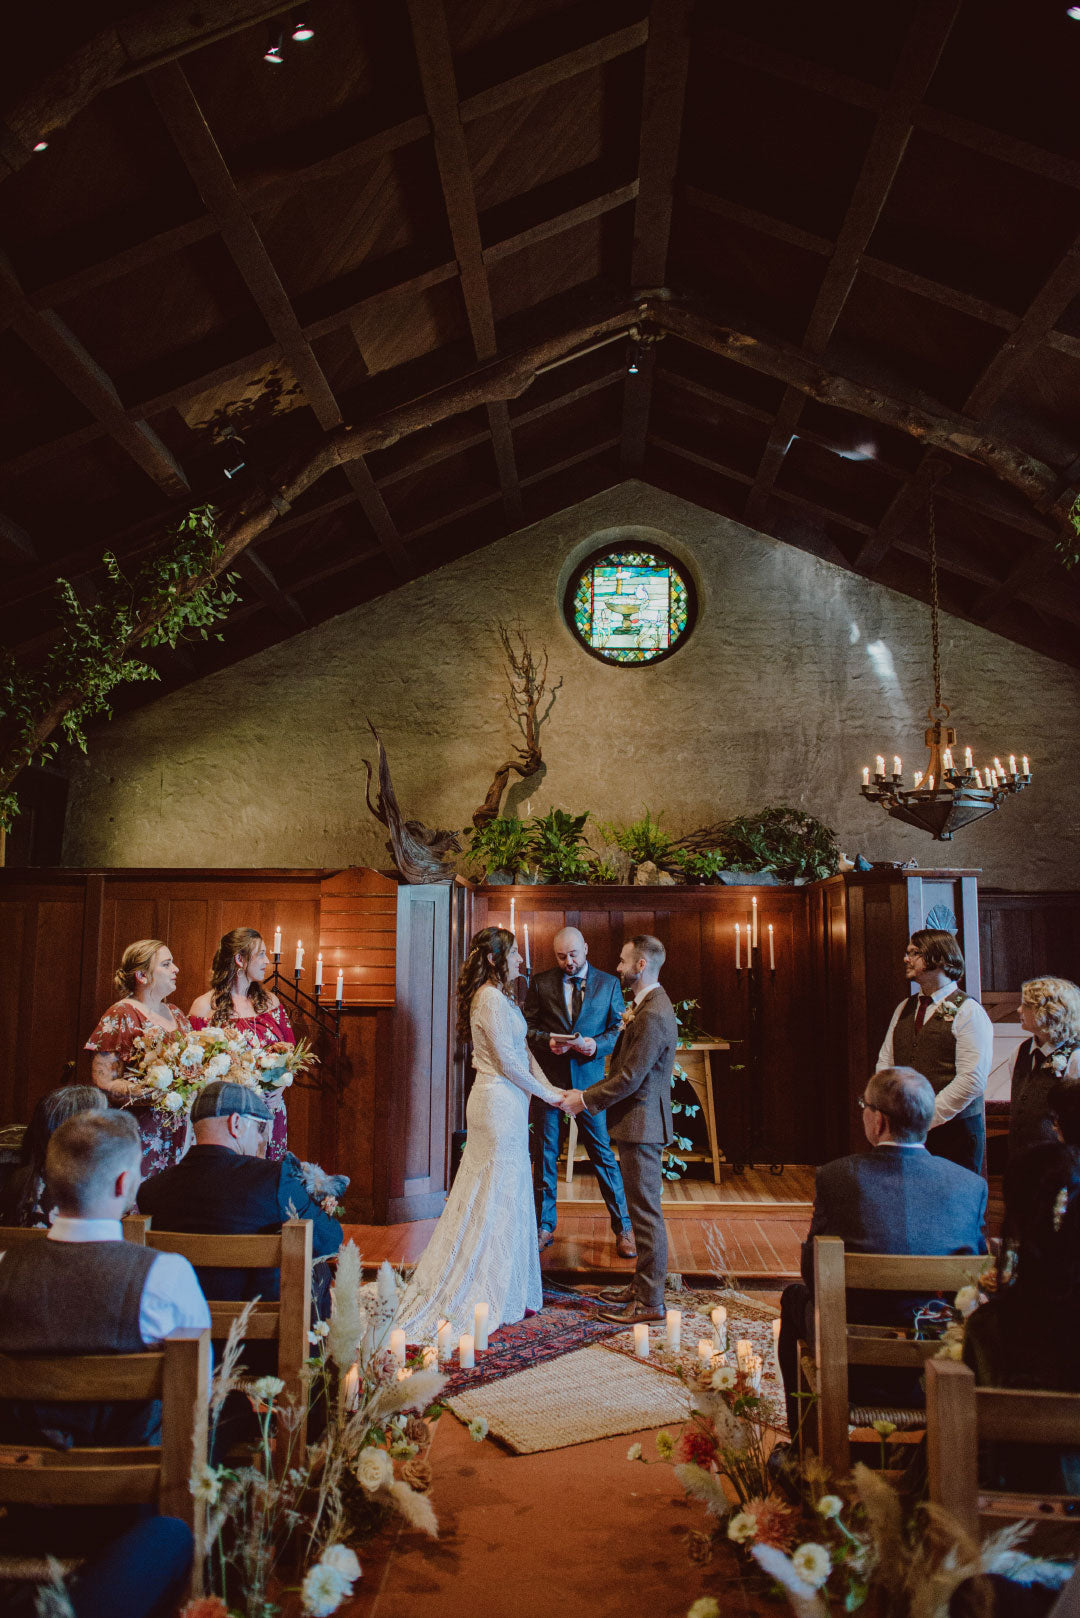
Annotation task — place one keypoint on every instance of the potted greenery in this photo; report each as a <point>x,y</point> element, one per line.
<point>644,841</point>
<point>502,847</point>
<point>557,847</point>
<point>778,844</point>
<point>705,866</point>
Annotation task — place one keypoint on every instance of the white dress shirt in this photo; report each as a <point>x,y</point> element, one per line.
<point>639,997</point>
<point>974,1035</point>
<point>171,1295</point>
<point>568,991</point>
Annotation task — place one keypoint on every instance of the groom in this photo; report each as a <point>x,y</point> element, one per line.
<point>637,1097</point>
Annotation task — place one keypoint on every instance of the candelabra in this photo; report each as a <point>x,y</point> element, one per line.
<point>943,798</point>
<point>299,1000</point>
<point>751,975</point>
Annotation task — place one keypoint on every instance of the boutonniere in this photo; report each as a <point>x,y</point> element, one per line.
<point>948,1009</point>
<point>1058,1061</point>
<point>628,1016</point>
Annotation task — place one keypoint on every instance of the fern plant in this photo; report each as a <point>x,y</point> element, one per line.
<point>644,840</point>
<point>557,845</point>
<point>501,844</point>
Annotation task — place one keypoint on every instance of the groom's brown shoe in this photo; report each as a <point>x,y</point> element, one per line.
<point>630,1314</point>
<point>624,1244</point>
<point>611,1295</point>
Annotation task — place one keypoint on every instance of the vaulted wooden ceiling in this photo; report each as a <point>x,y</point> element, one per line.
<point>848,235</point>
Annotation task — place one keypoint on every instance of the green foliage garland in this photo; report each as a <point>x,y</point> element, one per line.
<point>92,653</point>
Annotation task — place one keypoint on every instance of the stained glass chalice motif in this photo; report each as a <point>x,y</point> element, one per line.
<point>630,606</point>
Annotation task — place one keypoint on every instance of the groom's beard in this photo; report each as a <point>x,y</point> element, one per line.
<point>630,984</point>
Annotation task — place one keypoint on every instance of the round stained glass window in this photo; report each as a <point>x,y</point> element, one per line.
<point>631,606</point>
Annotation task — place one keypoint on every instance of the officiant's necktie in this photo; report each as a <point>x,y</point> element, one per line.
<point>577,997</point>
<point>925,1002</point>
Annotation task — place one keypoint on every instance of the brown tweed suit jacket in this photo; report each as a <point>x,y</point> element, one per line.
<point>637,1091</point>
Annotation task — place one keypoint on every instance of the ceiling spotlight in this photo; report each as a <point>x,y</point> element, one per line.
<point>302,31</point>
<point>275,52</point>
<point>41,146</point>
<point>1073,12</point>
<point>232,452</point>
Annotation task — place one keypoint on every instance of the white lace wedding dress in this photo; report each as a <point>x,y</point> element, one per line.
<point>484,1247</point>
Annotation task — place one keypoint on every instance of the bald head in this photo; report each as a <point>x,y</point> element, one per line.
<point>570,949</point>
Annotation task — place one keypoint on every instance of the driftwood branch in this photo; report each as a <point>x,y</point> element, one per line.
<point>418,852</point>
<point>527,679</point>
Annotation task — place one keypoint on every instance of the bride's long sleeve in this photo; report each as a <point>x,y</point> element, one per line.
<point>498,1032</point>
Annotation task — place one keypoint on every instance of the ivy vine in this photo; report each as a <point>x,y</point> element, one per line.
<point>174,593</point>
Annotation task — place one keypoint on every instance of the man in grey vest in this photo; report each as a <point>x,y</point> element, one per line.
<point>946,1035</point>
<point>637,1098</point>
<point>84,1290</point>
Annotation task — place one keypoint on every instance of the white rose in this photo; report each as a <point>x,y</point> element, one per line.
<point>323,1590</point>
<point>174,1101</point>
<point>741,1528</point>
<point>160,1076</point>
<point>813,1564</point>
<point>191,1056</point>
<point>374,1469</point>
<point>219,1064</point>
<point>343,1559</point>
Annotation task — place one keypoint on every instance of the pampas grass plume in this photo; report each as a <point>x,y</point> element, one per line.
<point>805,1602</point>
<point>415,1508</point>
<point>416,1392</point>
<point>701,1485</point>
<point>347,1315</point>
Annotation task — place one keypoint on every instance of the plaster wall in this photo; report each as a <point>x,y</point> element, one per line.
<point>797,674</point>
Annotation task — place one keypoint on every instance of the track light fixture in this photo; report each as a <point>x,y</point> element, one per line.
<point>302,30</point>
<point>275,51</point>
<point>41,146</point>
<point>232,448</point>
<point>633,365</point>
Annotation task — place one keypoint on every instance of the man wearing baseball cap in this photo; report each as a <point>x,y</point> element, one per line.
<point>224,1187</point>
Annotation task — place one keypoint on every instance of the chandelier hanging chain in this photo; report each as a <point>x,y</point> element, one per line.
<point>934,635</point>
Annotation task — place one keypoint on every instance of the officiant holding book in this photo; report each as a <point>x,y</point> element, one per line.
<point>574,1012</point>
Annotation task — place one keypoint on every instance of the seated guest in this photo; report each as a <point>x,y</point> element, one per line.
<point>144,1573</point>
<point>1050,1013</point>
<point>1064,1103</point>
<point>1026,1335</point>
<point>896,1199</point>
<point>224,1185</point>
<point>24,1201</point>
<point>85,1290</point>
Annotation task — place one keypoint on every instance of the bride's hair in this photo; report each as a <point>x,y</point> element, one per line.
<point>478,970</point>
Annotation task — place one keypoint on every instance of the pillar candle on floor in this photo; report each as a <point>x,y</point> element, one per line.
<point>719,1320</point>
<point>397,1346</point>
<point>446,1342</point>
<point>705,1350</point>
<point>744,1353</point>
<point>466,1355</point>
<point>352,1388</point>
<point>641,1341</point>
<point>480,1326</point>
<point>673,1322</point>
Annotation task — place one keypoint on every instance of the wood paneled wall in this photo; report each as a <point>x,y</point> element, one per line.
<point>1027,935</point>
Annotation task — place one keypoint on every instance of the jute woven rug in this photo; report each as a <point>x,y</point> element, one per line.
<point>747,1318</point>
<point>578,1397</point>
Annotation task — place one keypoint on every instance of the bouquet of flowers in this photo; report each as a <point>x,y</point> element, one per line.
<point>173,1066</point>
<point>278,1064</point>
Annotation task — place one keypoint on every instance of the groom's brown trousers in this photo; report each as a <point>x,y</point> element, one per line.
<point>644,1183</point>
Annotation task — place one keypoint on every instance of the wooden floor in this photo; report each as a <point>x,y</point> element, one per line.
<point>759,1219</point>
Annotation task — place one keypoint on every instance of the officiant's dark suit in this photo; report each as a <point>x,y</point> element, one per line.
<point>637,1097</point>
<point>557,1003</point>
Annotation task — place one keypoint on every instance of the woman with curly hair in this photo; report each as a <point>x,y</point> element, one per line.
<point>1050,1013</point>
<point>237,999</point>
<point>25,1199</point>
<point>145,978</point>
<point>484,1247</point>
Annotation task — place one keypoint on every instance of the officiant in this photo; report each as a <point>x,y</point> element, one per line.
<point>574,1012</point>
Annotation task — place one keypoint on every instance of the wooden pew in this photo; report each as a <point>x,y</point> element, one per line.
<point>837,1346</point>
<point>961,1416</point>
<point>287,1321</point>
<point>177,1373</point>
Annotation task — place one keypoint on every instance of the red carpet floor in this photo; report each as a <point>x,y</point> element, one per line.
<point>581,1533</point>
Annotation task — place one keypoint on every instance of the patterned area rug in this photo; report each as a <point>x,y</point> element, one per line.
<point>583,1396</point>
<point>567,1322</point>
<point>746,1319</point>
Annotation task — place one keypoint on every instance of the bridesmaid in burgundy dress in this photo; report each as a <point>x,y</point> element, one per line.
<point>236,998</point>
<point>146,977</point>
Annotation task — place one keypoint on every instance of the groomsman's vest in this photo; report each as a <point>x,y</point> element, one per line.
<point>931,1050</point>
<point>1029,1112</point>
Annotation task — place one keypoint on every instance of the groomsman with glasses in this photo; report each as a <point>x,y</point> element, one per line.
<point>574,1013</point>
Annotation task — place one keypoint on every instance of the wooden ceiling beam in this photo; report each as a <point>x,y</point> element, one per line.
<point>569,219</point>
<point>922,51</point>
<point>431,43</point>
<point>15,542</point>
<point>1055,295</point>
<point>56,345</point>
<point>254,571</point>
<point>556,70</point>
<point>192,136</point>
<point>663,99</point>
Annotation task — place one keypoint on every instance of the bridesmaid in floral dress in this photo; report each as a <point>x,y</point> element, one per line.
<point>146,977</point>
<point>237,998</point>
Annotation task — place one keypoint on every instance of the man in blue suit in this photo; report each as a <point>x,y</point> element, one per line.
<point>574,1013</point>
<point>895,1199</point>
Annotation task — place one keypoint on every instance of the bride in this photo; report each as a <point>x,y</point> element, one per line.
<point>484,1247</point>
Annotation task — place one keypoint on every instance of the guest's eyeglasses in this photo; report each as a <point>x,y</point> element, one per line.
<point>863,1104</point>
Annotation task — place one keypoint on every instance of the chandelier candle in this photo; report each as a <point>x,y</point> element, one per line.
<point>673,1324</point>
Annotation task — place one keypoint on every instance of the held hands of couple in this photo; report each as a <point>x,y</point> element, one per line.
<point>572,1103</point>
